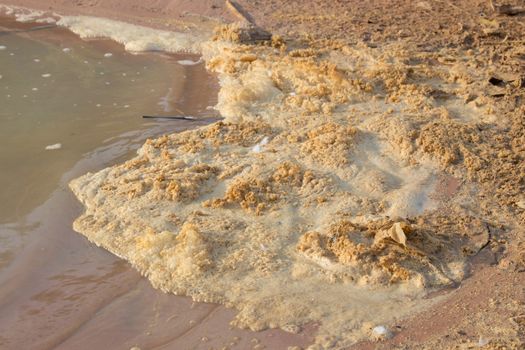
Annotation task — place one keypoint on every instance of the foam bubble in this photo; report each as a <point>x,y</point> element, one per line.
<point>46,75</point>
<point>53,147</point>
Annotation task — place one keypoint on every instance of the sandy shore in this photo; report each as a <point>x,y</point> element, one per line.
<point>485,308</point>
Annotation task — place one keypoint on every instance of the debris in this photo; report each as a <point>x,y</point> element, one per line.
<point>507,9</point>
<point>483,341</point>
<point>258,147</point>
<point>247,31</point>
<point>397,232</point>
<point>179,117</point>
<point>54,147</point>
<point>239,12</point>
<point>381,332</point>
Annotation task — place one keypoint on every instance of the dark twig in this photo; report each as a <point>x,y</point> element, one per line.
<point>178,117</point>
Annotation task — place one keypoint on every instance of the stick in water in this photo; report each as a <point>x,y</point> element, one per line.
<point>179,117</point>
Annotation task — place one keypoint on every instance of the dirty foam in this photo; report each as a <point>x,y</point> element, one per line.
<point>313,201</point>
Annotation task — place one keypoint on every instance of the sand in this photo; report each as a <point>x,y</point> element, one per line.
<point>350,178</point>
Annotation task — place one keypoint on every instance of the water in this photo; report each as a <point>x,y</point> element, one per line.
<point>56,89</point>
<point>57,290</point>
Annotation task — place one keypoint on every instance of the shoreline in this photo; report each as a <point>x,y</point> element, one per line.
<point>469,283</point>
<point>111,287</point>
<point>177,15</point>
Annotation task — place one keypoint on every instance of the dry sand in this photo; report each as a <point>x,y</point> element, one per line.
<point>362,163</point>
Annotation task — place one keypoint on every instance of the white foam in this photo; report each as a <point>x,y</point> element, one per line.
<point>2,47</point>
<point>258,147</point>
<point>48,20</point>
<point>189,62</point>
<point>46,75</point>
<point>66,49</point>
<point>134,38</point>
<point>108,54</point>
<point>54,147</point>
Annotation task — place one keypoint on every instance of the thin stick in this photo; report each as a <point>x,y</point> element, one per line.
<point>178,117</point>
<point>239,12</point>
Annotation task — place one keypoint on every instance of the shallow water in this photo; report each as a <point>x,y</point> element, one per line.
<point>76,95</point>
<point>57,290</point>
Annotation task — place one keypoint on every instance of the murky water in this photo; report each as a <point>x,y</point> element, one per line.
<point>73,94</point>
<point>57,290</point>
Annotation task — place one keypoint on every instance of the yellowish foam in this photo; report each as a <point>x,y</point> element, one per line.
<point>306,229</point>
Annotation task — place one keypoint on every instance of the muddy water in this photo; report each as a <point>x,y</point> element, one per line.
<point>57,290</point>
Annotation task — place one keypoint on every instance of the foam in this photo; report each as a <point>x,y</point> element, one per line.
<point>134,38</point>
<point>189,62</point>
<point>290,199</point>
